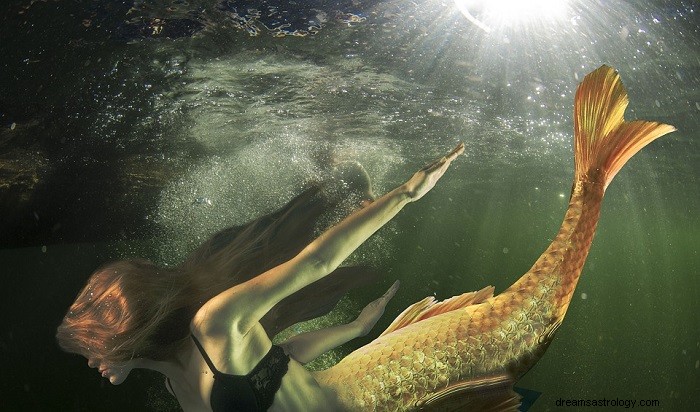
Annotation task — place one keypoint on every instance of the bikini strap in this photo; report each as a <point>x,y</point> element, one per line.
<point>205,356</point>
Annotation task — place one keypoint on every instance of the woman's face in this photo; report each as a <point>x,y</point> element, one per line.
<point>116,373</point>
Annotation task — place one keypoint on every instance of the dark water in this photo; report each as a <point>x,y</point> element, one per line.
<point>140,131</point>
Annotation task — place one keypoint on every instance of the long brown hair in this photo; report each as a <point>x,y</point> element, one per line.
<point>133,308</point>
<point>128,309</point>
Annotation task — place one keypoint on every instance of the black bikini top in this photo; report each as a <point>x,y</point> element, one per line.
<point>252,392</point>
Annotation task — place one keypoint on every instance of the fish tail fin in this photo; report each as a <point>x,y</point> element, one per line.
<point>603,140</point>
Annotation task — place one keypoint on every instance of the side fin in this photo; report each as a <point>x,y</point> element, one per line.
<point>490,394</point>
<point>603,141</point>
<point>429,307</point>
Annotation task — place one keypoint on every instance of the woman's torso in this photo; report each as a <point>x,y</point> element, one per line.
<point>239,355</point>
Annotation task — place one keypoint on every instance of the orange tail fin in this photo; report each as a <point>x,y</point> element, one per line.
<point>604,142</point>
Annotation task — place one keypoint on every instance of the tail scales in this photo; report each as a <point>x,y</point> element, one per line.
<point>603,141</point>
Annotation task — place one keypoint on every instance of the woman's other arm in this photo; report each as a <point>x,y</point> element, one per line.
<point>306,347</point>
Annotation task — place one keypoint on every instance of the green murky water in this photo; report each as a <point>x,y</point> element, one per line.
<point>117,141</point>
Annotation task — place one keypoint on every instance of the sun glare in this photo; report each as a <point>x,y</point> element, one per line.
<point>489,14</point>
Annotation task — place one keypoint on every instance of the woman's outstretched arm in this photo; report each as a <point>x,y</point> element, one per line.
<point>243,305</point>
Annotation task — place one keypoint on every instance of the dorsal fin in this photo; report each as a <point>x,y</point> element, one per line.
<point>429,307</point>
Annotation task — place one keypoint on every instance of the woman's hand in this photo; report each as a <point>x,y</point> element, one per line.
<point>425,178</point>
<point>372,312</point>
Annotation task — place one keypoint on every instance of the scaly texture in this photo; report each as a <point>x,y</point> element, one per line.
<point>447,356</point>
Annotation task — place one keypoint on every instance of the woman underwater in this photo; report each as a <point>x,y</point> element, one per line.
<point>207,324</point>
<point>464,353</point>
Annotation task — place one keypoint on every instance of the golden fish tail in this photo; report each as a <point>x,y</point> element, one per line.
<point>443,352</point>
<point>604,141</point>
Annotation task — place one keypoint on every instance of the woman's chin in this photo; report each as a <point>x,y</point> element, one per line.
<point>116,380</point>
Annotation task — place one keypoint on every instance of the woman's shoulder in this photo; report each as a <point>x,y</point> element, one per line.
<point>222,314</point>
<point>209,321</point>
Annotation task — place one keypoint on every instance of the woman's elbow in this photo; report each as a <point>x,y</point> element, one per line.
<point>318,264</point>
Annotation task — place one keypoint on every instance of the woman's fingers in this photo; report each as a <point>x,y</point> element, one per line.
<point>445,159</point>
<point>441,165</point>
<point>458,150</point>
<point>424,180</point>
<point>372,312</point>
<point>392,291</point>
